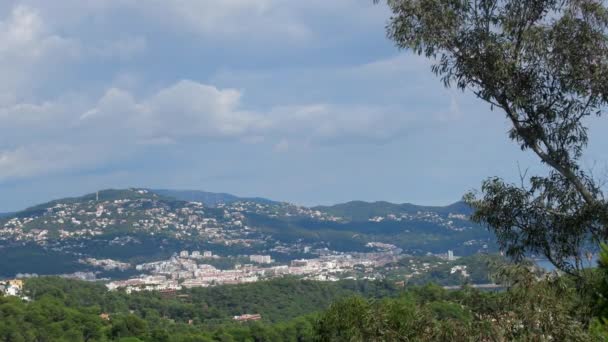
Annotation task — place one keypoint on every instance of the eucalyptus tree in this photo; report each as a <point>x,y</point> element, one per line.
<point>544,65</point>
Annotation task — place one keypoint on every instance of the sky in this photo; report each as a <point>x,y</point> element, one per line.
<point>299,101</point>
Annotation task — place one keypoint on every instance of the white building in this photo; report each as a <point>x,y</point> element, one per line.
<point>261,259</point>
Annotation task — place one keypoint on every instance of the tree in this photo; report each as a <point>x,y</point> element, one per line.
<point>128,326</point>
<point>599,326</point>
<point>544,64</point>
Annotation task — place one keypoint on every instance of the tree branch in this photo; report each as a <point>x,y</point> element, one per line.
<point>546,157</point>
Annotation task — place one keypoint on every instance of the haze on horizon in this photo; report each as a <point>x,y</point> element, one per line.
<point>305,102</point>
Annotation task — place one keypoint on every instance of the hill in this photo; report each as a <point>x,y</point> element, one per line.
<point>139,225</point>
<point>295,310</point>
<point>100,196</point>
<point>363,211</point>
<point>210,199</point>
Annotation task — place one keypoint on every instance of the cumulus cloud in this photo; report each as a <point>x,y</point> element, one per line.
<point>23,35</point>
<point>191,109</point>
<point>28,48</point>
<point>90,111</point>
<point>32,52</point>
<point>230,17</point>
<point>244,20</point>
<point>61,136</point>
<point>185,109</point>
<point>226,18</point>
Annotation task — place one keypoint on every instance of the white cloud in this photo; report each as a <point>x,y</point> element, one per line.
<point>28,49</point>
<point>33,55</point>
<point>230,17</point>
<point>48,44</point>
<point>62,136</point>
<point>185,109</point>
<point>269,21</point>
<point>247,19</point>
<point>191,109</point>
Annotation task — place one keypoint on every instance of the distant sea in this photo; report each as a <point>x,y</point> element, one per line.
<point>547,265</point>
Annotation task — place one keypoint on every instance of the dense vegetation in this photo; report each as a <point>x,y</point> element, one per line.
<point>32,258</point>
<point>479,269</point>
<point>70,310</point>
<point>414,236</point>
<point>275,300</point>
<point>210,199</point>
<point>543,65</point>
<point>531,309</point>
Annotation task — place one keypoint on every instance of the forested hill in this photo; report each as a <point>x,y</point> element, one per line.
<point>108,214</point>
<point>294,310</point>
<point>210,199</point>
<point>102,195</point>
<point>363,211</point>
<point>139,225</point>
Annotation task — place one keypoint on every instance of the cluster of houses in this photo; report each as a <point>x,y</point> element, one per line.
<point>13,287</point>
<point>183,271</point>
<point>456,222</point>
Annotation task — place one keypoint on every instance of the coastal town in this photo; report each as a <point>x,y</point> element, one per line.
<point>191,269</point>
<point>188,269</point>
<point>136,239</point>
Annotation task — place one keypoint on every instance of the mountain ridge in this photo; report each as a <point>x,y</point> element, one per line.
<point>137,225</point>
<point>362,210</point>
<point>105,194</point>
<point>210,199</point>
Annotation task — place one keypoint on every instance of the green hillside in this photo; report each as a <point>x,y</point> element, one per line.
<point>362,211</point>
<point>210,199</point>
<point>138,225</point>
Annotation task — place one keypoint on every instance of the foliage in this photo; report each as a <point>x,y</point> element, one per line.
<point>276,300</point>
<point>479,268</point>
<point>32,258</point>
<point>544,64</point>
<point>599,325</point>
<point>68,310</point>
<point>415,236</point>
<point>530,310</point>
<point>210,199</point>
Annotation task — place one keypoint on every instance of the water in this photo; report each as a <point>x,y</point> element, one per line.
<point>547,265</point>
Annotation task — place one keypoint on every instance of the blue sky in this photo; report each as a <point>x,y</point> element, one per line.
<point>301,101</point>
